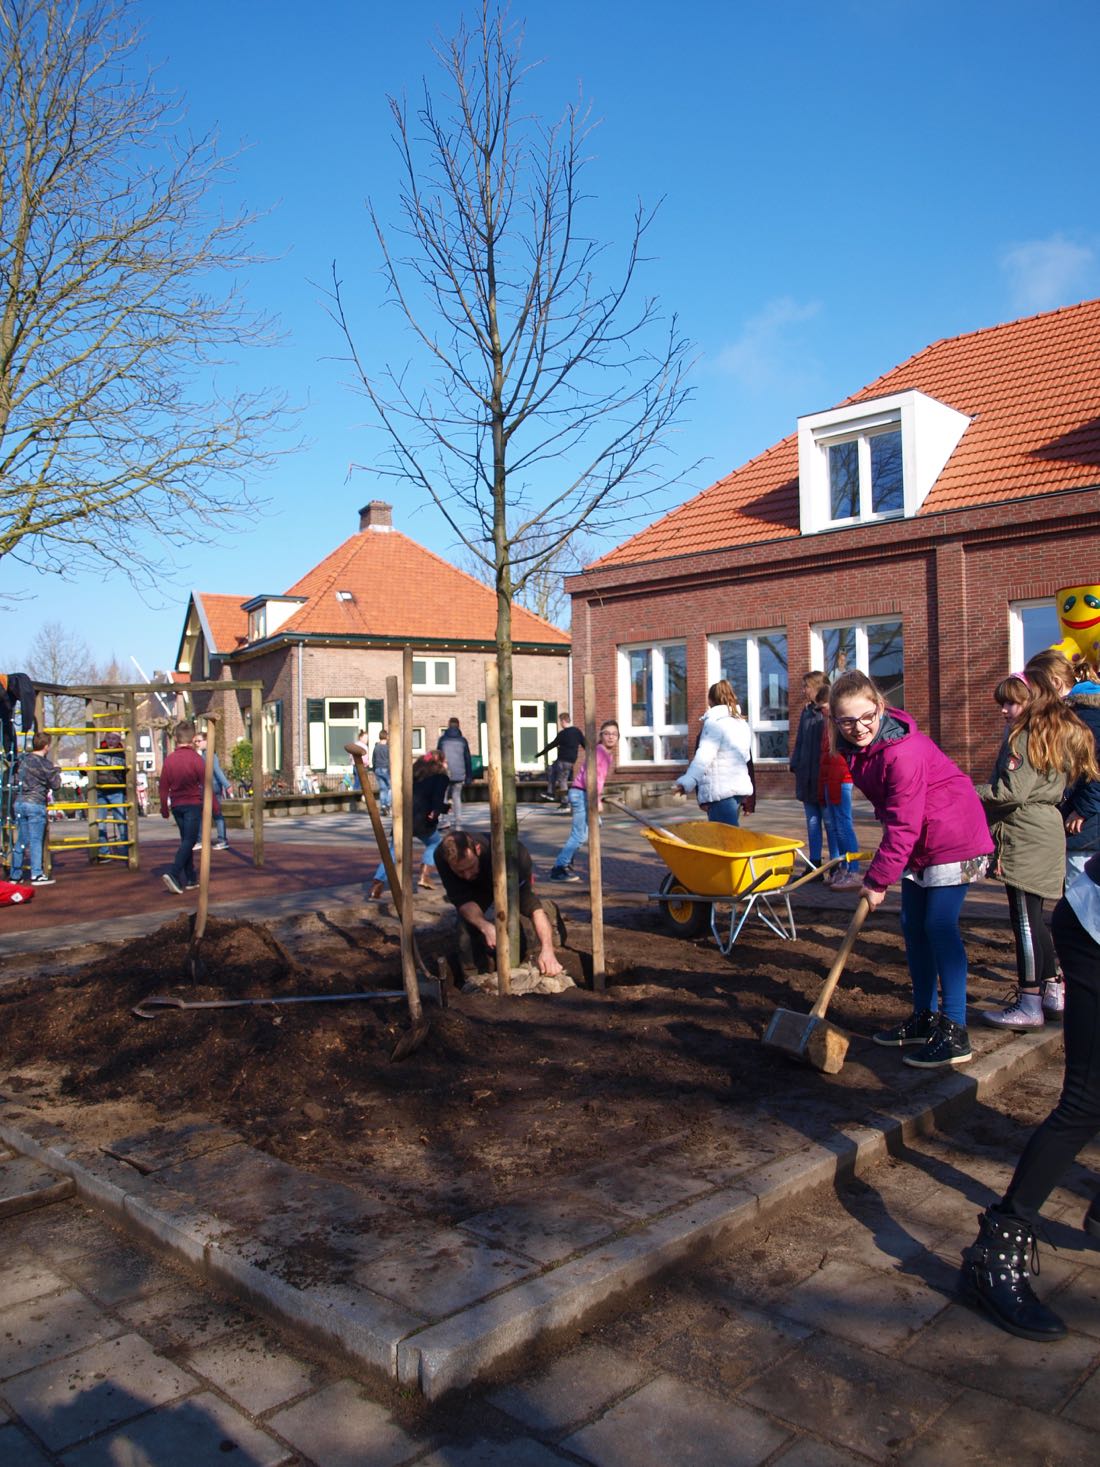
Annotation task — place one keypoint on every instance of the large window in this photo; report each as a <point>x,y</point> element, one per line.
<point>653,713</point>
<point>865,476</point>
<point>875,647</point>
<point>1032,625</point>
<point>434,674</point>
<point>756,666</point>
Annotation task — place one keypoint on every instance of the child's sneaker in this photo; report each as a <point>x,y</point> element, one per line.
<point>950,1045</point>
<point>42,880</point>
<point>918,1028</point>
<point>1054,998</point>
<point>1026,1012</point>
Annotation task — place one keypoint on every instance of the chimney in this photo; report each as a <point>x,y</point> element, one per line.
<point>377,515</point>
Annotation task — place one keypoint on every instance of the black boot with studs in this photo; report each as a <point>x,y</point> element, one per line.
<point>995,1274</point>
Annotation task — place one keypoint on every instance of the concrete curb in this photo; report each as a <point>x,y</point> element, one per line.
<point>461,1349</point>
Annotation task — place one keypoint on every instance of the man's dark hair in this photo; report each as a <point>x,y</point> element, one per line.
<point>456,843</point>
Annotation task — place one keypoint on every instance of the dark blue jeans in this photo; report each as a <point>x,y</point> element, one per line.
<point>934,946</point>
<point>189,822</point>
<point>725,812</point>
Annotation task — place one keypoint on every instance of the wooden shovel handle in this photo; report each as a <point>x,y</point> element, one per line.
<point>207,821</point>
<point>859,916</point>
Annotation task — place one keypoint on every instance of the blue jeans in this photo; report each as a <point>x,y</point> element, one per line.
<point>110,828</point>
<point>30,838</point>
<point>841,828</point>
<point>189,824</point>
<point>934,946</point>
<point>814,813</point>
<point>578,834</point>
<point>385,799</point>
<point>725,812</point>
<point>430,844</point>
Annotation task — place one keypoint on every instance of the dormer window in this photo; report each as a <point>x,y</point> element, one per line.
<point>266,614</point>
<point>873,460</point>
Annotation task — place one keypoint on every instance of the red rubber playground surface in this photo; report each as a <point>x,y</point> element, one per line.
<point>89,893</point>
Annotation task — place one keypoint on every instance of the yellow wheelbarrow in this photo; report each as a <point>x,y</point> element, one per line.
<point>712,864</point>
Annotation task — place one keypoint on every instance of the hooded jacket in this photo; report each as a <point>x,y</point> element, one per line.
<point>720,767</point>
<point>1021,806</point>
<point>929,810</point>
<point>456,752</point>
<point>805,762</point>
<point>1083,797</point>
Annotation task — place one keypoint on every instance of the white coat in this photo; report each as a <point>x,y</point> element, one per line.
<point>721,764</point>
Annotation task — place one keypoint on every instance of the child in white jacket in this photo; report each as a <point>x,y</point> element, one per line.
<point>719,771</point>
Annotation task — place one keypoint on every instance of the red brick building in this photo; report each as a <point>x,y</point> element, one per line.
<point>919,531</point>
<point>324,648</point>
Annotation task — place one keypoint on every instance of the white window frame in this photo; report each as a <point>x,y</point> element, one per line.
<point>817,640</point>
<point>1016,651</point>
<point>659,732</point>
<point>430,687</point>
<point>866,513</point>
<point>751,695</point>
<point>271,726</point>
<point>418,745</point>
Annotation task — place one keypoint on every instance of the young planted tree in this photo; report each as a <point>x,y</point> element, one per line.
<point>117,300</point>
<point>546,389</point>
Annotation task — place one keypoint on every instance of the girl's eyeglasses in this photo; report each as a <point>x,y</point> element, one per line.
<point>849,725</point>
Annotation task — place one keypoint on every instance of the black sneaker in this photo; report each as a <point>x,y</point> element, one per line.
<point>42,881</point>
<point>918,1028</point>
<point>949,1045</point>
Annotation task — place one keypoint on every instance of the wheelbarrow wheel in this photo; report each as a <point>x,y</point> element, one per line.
<point>687,919</point>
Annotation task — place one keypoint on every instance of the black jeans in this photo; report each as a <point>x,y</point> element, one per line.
<point>1075,1120</point>
<point>1035,961</point>
<point>189,821</point>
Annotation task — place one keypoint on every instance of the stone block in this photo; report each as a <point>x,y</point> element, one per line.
<point>806,1452</point>
<point>116,1274</point>
<point>253,1369</point>
<point>1083,1406</point>
<point>48,1327</point>
<point>26,1184</point>
<point>200,1431</point>
<point>979,1430</point>
<point>446,1271</point>
<point>870,1308</point>
<point>667,1421</point>
<point>179,1315</point>
<point>17,1450</point>
<point>158,1147</point>
<point>68,1400</point>
<point>486,1453</point>
<point>342,1427</point>
<point>570,1390</point>
<point>22,1276</point>
<point>171,1220</point>
<point>719,1353</point>
<point>547,1229</point>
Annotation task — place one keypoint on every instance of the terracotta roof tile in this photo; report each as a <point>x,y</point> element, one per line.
<point>227,622</point>
<point>1032,388</point>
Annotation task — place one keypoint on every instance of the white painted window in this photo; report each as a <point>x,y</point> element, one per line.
<point>418,741</point>
<point>874,647</point>
<point>653,713</point>
<point>273,736</point>
<point>865,478</point>
<point>755,665</point>
<point>434,674</point>
<point>1032,625</point>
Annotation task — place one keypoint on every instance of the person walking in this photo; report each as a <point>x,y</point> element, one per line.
<point>380,767</point>
<point>996,1271</point>
<point>569,741</point>
<point>1046,746</point>
<point>429,802</point>
<point>719,770</point>
<point>805,763</point>
<point>562,869</point>
<point>460,770</point>
<point>36,778</point>
<point>221,792</point>
<point>934,840</point>
<point>181,787</point>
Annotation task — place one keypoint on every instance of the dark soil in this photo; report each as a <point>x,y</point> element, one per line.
<point>501,1092</point>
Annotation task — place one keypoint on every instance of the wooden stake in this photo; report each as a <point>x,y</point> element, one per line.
<point>595,862</point>
<point>496,824</point>
<point>131,782</point>
<point>405,849</point>
<point>257,706</point>
<point>207,822</point>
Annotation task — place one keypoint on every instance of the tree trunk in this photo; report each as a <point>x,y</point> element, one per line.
<point>508,752</point>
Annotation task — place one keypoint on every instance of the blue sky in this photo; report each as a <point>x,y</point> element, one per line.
<point>841,185</point>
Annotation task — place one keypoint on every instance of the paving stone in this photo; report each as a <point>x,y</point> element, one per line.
<point>573,1388</point>
<point>1084,1405</point>
<point>549,1228</point>
<point>447,1271</point>
<point>17,1450</point>
<point>198,1432</point>
<point>117,1274</point>
<point>862,1305</point>
<point>180,1315</point>
<point>667,1421</point>
<point>158,1147</point>
<point>22,1276</point>
<point>485,1453</point>
<point>719,1352</point>
<point>643,1191</point>
<point>980,1432</point>
<point>253,1370</point>
<point>341,1426</point>
<point>851,1396</point>
<point>1077,1301</point>
<point>97,1388</point>
<point>970,1350</point>
<point>26,1184</point>
<point>45,1328</point>
<point>809,1453</point>
<point>63,1231</point>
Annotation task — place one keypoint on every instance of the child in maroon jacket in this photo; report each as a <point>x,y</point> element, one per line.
<point>935,840</point>
<point>181,786</point>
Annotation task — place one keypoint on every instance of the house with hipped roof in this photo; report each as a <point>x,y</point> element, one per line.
<point>324,648</point>
<point>917,530</point>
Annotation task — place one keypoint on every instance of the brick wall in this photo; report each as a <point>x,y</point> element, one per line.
<point>950,580</point>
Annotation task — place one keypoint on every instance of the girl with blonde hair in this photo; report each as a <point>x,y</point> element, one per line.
<point>719,771</point>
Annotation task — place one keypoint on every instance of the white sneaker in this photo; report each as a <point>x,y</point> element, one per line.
<point>172,884</point>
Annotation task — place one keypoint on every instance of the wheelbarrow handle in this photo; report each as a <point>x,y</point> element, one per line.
<point>654,829</point>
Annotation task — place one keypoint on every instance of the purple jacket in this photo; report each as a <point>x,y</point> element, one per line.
<point>929,810</point>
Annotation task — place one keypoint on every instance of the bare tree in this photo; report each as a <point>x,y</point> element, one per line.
<point>543,589</point>
<point>58,655</point>
<point>546,393</point>
<point>117,301</point>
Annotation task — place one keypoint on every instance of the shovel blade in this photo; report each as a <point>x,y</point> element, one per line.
<point>814,1041</point>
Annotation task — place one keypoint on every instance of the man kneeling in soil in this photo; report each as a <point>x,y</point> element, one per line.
<point>465,865</point>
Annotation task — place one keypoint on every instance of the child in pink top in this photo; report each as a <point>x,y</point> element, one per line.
<point>605,762</point>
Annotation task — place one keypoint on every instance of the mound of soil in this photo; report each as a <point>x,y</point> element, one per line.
<point>501,1092</point>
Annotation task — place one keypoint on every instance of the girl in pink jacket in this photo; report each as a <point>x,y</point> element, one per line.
<point>935,841</point>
